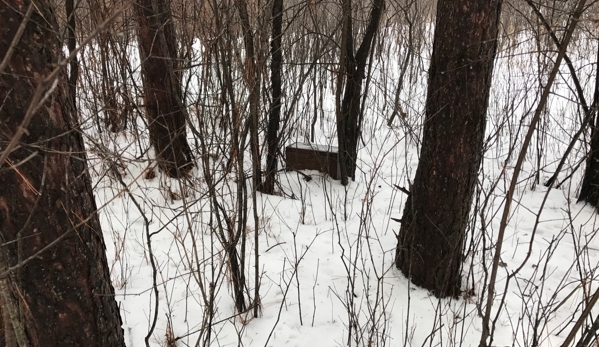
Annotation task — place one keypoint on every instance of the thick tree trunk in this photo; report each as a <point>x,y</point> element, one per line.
<point>589,191</point>
<point>162,89</point>
<point>431,237</point>
<point>272,136</point>
<point>58,292</point>
<point>349,124</point>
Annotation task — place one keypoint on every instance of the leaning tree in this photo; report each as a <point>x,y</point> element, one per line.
<point>433,225</point>
<point>55,287</point>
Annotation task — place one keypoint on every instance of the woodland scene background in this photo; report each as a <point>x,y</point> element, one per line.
<point>145,197</point>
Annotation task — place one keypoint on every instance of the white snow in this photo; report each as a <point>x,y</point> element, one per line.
<point>326,252</point>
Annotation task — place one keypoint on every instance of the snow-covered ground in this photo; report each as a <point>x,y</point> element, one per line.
<point>326,252</point>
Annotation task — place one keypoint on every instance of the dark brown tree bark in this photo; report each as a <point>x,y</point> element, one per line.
<point>272,135</point>
<point>162,87</point>
<point>589,191</point>
<point>349,123</point>
<point>54,277</point>
<point>71,44</point>
<point>433,228</point>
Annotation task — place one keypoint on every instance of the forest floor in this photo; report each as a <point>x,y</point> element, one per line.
<point>326,252</point>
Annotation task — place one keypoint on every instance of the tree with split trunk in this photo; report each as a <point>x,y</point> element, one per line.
<point>433,226</point>
<point>55,287</point>
<point>162,88</point>
<point>353,71</point>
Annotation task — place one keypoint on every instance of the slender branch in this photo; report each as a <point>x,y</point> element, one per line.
<point>514,181</point>
<point>581,319</point>
<point>588,112</point>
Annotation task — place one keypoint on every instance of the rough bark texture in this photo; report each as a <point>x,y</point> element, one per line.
<point>349,125</point>
<point>162,88</point>
<point>431,237</point>
<point>272,136</point>
<point>63,296</point>
<point>589,191</point>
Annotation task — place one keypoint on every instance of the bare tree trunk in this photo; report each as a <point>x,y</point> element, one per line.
<point>162,88</point>
<point>350,121</point>
<point>230,224</point>
<point>252,77</point>
<point>54,277</point>
<point>589,191</point>
<point>346,38</point>
<point>272,136</point>
<point>71,44</point>
<point>114,119</point>
<point>430,242</point>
